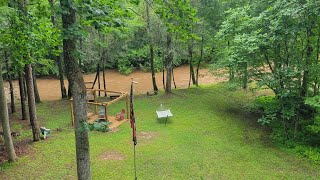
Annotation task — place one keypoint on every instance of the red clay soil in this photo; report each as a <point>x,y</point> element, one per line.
<point>49,89</point>
<point>112,155</point>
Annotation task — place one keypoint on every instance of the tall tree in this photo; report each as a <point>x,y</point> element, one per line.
<point>169,60</point>
<point>9,40</point>
<point>281,36</point>
<point>35,86</point>
<point>9,76</point>
<point>23,99</point>
<point>192,75</point>
<point>5,121</point>
<point>178,17</point>
<point>78,89</point>
<point>151,48</point>
<point>29,78</point>
<point>57,58</point>
<point>32,103</point>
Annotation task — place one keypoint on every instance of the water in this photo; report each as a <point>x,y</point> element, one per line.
<point>49,89</point>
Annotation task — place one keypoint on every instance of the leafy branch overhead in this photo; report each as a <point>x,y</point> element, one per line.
<point>179,17</point>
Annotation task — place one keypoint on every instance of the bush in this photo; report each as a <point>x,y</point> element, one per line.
<point>267,105</point>
<point>144,68</point>
<point>124,66</point>
<point>293,123</point>
<point>99,126</point>
<point>125,70</point>
<point>309,152</point>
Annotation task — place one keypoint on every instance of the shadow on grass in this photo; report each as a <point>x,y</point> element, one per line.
<point>164,121</point>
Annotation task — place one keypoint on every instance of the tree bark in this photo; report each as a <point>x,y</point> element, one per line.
<point>169,59</point>
<point>104,75</point>
<point>153,73</point>
<point>32,103</point>
<point>35,86</point>
<point>61,79</point>
<point>199,62</point>
<point>22,96</point>
<point>192,76</point>
<point>99,84</point>
<point>78,89</point>
<point>174,82</point>
<point>316,86</point>
<point>245,75</point>
<point>81,49</point>
<point>231,70</point>
<point>12,104</point>
<point>163,67</point>
<point>69,89</point>
<point>309,51</point>
<point>95,79</point>
<point>4,116</point>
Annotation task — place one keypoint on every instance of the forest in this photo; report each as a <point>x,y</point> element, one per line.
<point>267,50</point>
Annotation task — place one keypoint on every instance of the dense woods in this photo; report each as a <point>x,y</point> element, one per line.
<point>270,44</point>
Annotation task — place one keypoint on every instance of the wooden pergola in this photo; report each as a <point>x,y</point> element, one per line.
<point>92,100</point>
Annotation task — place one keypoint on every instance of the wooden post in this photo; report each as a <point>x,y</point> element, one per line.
<point>105,112</point>
<point>99,85</point>
<point>72,117</point>
<point>127,105</point>
<point>95,100</point>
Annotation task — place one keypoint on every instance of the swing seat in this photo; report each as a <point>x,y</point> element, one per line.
<point>164,114</point>
<point>120,115</point>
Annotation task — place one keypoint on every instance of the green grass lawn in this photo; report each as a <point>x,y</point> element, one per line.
<point>211,136</point>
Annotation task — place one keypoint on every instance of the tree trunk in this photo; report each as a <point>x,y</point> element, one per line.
<point>4,116</point>
<point>153,73</point>
<point>200,60</point>
<point>32,103</point>
<point>22,96</point>
<point>104,74</point>
<point>309,50</point>
<point>69,89</point>
<point>316,87</point>
<point>245,75</point>
<point>78,89</point>
<point>35,86</point>
<point>12,104</point>
<point>231,70</point>
<point>174,82</point>
<point>99,84</point>
<point>81,49</point>
<point>61,79</point>
<point>13,107</point>
<point>192,76</point>
<point>95,79</point>
<point>22,6</point>
<point>163,67</point>
<point>57,58</point>
<point>154,83</point>
<point>169,59</point>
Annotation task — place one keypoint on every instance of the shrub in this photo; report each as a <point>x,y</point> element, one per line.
<point>309,152</point>
<point>100,126</point>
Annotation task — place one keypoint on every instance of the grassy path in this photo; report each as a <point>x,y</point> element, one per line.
<point>209,137</point>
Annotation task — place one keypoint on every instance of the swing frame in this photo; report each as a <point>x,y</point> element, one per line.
<point>105,105</point>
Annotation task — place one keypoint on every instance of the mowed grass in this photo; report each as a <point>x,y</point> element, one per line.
<point>211,136</point>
